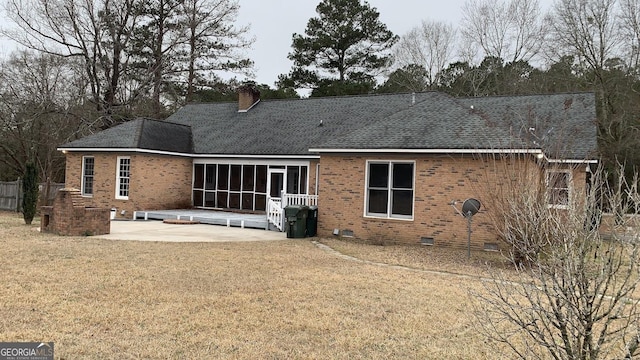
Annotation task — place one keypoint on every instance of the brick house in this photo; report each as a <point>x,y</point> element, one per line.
<point>385,167</point>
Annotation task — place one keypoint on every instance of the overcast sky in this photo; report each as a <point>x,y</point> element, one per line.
<point>273,22</point>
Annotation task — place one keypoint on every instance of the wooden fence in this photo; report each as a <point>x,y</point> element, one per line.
<point>11,193</point>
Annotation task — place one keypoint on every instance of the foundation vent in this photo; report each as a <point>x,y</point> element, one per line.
<point>427,241</point>
<point>490,247</point>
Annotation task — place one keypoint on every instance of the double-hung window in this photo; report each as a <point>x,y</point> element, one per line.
<point>390,189</point>
<point>88,166</point>
<point>558,188</point>
<point>123,173</point>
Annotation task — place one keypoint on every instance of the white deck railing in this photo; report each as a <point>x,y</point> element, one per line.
<point>299,199</point>
<point>275,212</point>
<point>275,206</point>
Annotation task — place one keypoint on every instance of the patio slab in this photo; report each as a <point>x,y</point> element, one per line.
<point>152,230</point>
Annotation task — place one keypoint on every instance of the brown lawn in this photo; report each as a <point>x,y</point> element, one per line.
<point>102,299</point>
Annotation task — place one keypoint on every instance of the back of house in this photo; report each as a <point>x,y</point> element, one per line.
<point>384,168</point>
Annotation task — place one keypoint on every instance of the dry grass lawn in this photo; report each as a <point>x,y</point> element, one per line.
<point>102,299</point>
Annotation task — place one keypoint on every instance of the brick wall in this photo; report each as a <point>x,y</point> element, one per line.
<point>156,181</point>
<point>438,181</point>
<point>69,215</point>
<point>313,176</point>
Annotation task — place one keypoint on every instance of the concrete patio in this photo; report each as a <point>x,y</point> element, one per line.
<point>153,230</point>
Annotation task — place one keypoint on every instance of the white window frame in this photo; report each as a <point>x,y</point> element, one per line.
<point>549,190</point>
<point>119,178</point>
<point>389,214</point>
<point>85,176</point>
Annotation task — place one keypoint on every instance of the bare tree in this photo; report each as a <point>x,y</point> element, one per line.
<point>511,31</point>
<point>133,50</point>
<point>590,31</point>
<point>96,32</point>
<point>586,29</point>
<point>430,45</point>
<point>630,17</point>
<point>39,110</point>
<point>211,42</point>
<point>573,293</point>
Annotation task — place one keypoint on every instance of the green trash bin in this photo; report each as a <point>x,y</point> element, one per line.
<point>312,221</point>
<point>296,216</point>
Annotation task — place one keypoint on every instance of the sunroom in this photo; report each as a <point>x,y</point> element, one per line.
<point>248,185</point>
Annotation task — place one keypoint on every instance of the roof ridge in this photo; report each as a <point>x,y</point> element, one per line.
<point>164,121</point>
<point>525,95</point>
<point>139,132</point>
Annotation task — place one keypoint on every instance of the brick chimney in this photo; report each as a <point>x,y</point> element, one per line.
<point>248,96</point>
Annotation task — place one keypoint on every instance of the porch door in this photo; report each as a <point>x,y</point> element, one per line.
<point>275,182</point>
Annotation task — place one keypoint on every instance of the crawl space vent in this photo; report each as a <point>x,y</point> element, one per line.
<point>426,240</point>
<point>490,247</point>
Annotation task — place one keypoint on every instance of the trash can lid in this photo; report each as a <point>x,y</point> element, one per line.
<point>294,206</point>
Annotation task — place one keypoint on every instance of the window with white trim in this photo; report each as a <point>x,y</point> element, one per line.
<point>558,188</point>
<point>123,177</point>
<point>389,189</point>
<point>88,166</point>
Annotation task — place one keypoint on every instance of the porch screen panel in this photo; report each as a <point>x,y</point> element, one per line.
<point>210,177</point>
<point>235,178</point>
<point>232,186</point>
<point>234,200</point>
<point>222,199</point>
<point>293,179</point>
<point>248,186</point>
<point>197,197</point>
<point>247,201</point>
<point>198,176</point>
<point>261,202</point>
<point>210,199</point>
<point>198,184</point>
<point>248,181</point>
<point>261,179</point>
<point>296,179</point>
<point>223,177</point>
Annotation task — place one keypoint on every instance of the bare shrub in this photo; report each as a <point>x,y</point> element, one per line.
<point>574,294</point>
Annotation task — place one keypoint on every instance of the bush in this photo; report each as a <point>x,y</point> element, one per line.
<point>30,193</point>
<point>573,292</point>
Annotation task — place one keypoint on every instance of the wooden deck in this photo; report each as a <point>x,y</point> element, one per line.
<point>223,218</point>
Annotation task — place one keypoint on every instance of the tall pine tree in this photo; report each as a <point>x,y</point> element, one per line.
<point>342,50</point>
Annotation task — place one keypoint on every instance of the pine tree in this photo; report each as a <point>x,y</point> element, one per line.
<point>346,40</point>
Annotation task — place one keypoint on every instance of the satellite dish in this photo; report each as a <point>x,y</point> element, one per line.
<point>470,207</point>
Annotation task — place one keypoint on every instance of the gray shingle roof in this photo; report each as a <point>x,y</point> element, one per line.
<point>429,120</point>
<point>139,134</point>
<point>285,127</point>
<point>438,122</point>
<point>563,125</point>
